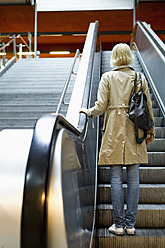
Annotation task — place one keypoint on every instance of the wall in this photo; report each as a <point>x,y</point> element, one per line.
<point>115,26</point>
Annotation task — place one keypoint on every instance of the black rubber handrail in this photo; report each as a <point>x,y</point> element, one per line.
<point>33,223</point>
<point>87,92</point>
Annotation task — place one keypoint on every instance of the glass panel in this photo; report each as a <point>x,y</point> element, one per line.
<point>79,165</point>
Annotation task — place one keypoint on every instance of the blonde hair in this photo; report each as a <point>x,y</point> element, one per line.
<point>121,55</point>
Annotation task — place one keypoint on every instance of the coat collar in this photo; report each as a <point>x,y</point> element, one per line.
<point>122,67</point>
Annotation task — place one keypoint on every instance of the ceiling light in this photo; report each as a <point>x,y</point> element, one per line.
<point>25,53</point>
<point>59,52</point>
<point>78,34</point>
<point>42,35</point>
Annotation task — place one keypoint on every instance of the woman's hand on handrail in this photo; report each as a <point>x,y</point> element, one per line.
<point>83,110</point>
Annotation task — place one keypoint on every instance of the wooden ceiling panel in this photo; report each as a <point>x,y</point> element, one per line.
<point>17,18</point>
<point>80,20</point>
<point>152,13</point>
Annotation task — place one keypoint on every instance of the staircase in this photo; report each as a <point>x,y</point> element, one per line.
<point>150,222</point>
<point>32,88</point>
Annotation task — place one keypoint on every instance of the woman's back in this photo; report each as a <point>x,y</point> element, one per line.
<point>121,84</point>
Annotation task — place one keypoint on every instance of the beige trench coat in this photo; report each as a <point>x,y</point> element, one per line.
<point>118,143</point>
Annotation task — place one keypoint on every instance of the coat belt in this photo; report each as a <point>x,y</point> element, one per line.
<point>122,106</point>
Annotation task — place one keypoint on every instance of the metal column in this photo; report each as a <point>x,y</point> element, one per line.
<point>35,31</point>
<point>134,12</point>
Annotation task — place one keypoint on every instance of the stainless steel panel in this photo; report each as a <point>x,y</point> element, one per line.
<point>153,57</point>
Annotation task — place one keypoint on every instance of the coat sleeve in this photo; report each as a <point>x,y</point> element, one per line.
<point>102,98</point>
<point>149,104</point>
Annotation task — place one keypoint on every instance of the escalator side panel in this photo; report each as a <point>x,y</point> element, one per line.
<point>79,212</point>
<point>153,59</point>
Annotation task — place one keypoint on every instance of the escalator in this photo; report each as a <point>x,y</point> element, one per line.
<point>150,221</point>
<point>49,199</point>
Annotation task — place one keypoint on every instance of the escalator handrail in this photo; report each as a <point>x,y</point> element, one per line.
<point>82,124</point>
<point>36,178</point>
<point>82,85</point>
<point>149,79</point>
<point>156,41</point>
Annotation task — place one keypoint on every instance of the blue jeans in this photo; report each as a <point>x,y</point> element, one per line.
<point>117,195</point>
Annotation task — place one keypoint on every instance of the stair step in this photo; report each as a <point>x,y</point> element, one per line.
<point>160,132</point>
<point>48,81</point>
<point>154,104</point>
<point>25,108</point>
<point>148,193</point>
<point>149,215</point>
<point>37,91</point>
<point>157,146</point>
<point>52,87</point>
<point>29,115</point>
<point>144,238</point>
<point>20,93</point>
<point>159,121</point>
<point>156,112</point>
<point>147,175</point>
<point>156,158</point>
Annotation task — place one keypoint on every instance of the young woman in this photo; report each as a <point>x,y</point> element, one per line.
<point>119,147</point>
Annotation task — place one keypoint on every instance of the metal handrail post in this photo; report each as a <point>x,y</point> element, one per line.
<point>4,57</point>
<point>35,31</point>
<point>14,45</point>
<point>134,12</point>
<point>20,51</point>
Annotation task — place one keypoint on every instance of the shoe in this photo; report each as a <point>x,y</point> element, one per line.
<point>130,231</point>
<point>116,230</point>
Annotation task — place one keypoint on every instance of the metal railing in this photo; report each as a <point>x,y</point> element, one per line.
<point>67,82</point>
<point>9,57</point>
<point>8,36</point>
